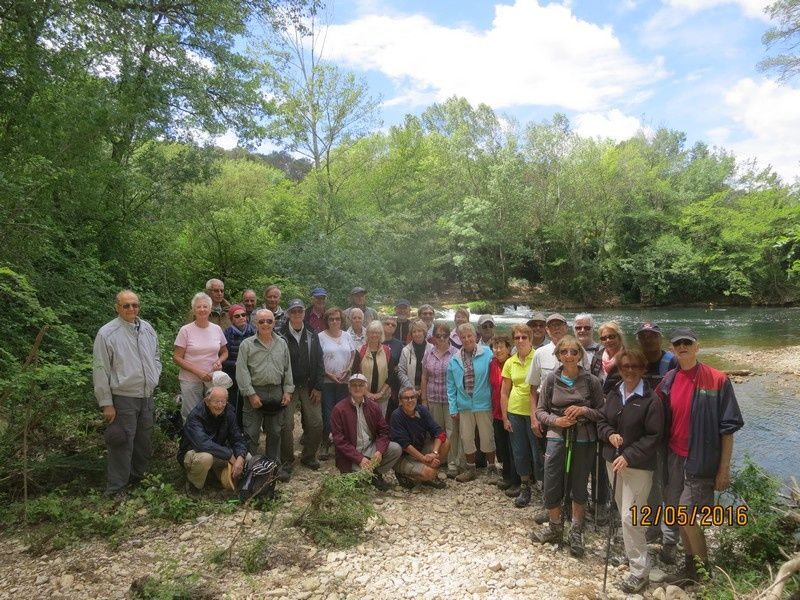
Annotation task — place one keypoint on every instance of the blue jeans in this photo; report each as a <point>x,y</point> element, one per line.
<point>527,456</point>
<point>331,394</point>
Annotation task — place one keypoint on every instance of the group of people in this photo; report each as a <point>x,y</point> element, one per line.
<point>549,414</point>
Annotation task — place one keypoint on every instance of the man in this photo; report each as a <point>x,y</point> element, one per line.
<point>583,326</point>
<point>249,299</point>
<point>264,375</point>
<point>126,367</point>
<point>315,318</point>
<point>537,324</point>
<point>308,374</point>
<point>361,436</point>
<point>424,443</point>
<point>702,415</point>
<point>219,306</point>
<point>426,314</point>
<point>389,323</point>
<point>212,440</point>
<point>486,328</point>
<point>469,396</point>
<point>272,302</point>
<point>659,361</point>
<point>358,299</point>
<point>402,332</point>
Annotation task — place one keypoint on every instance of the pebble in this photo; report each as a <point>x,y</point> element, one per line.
<point>66,581</point>
<point>496,566</point>
<point>660,594</point>
<point>657,575</point>
<point>186,535</point>
<point>676,593</point>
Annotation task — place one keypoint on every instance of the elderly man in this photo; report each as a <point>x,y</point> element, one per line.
<point>426,314</point>
<point>358,299</point>
<point>424,443</point>
<point>702,415</point>
<point>264,375</point>
<point>315,318</point>
<point>361,436</point>
<point>215,288</point>
<point>272,302</point>
<point>249,300</point>
<point>538,324</point>
<point>126,366</point>
<point>469,396</point>
<point>659,361</point>
<point>402,309</point>
<point>308,375</point>
<point>212,440</point>
<point>486,328</point>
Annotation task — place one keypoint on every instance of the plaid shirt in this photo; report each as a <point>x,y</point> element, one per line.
<point>436,369</point>
<point>469,371</point>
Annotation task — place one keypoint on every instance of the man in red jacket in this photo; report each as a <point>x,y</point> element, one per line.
<point>361,435</point>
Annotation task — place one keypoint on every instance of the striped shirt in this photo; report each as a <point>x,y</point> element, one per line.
<point>469,371</point>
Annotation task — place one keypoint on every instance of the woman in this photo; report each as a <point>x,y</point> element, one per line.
<point>433,392</point>
<point>501,348</point>
<point>461,316</point>
<point>409,369</point>
<point>515,406</point>
<point>200,349</point>
<point>374,360</point>
<point>630,427</point>
<point>239,330</point>
<point>569,406</point>
<point>613,340</point>
<point>356,330</point>
<point>337,358</point>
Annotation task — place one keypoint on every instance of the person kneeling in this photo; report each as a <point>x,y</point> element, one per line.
<point>212,440</point>
<point>424,443</point>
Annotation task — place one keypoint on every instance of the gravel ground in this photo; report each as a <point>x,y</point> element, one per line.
<point>783,361</point>
<point>467,541</point>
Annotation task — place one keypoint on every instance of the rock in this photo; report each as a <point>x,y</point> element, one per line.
<point>310,584</point>
<point>136,543</point>
<point>66,581</point>
<point>657,575</point>
<point>496,566</point>
<point>187,535</point>
<point>660,594</point>
<point>482,589</point>
<point>42,579</point>
<point>676,593</point>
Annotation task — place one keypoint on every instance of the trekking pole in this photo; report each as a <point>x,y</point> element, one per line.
<point>596,482</point>
<point>611,520</point>
<point>569,436</point>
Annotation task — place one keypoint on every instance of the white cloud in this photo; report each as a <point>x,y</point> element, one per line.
<point>227,141</point>
<point>612,124</point>
<point>768,115</point>
<point>751,8</point>
<point>531,55</point>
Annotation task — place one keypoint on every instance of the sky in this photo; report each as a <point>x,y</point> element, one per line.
<point>613,67</point>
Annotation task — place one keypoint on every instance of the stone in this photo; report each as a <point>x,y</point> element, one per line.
<point>496,566</point>
<point>66,581</point>
<point>660,594</point>
<point>482,589</point>
<point>42,579</point>
<point>187,535</point>
<point>676,593</point>
<point>657,575</point>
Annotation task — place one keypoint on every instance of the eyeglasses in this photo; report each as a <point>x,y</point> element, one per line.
<point>388,324</point>
<point>266,321</point>
<point>130,305</point>
<point>583,327</point>
<point>426,314</point>
<point>520,337</point>
<point>610,336</point>
<point>239,315</point>
<point>408,398</point>
<point>441,336</point>
<point>487,326</point>
<point>570,351</point>
<point>630,367</point>
<point>684,342</point>
<point>334,318</point>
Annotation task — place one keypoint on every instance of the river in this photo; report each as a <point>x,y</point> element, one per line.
<point>769,402</point>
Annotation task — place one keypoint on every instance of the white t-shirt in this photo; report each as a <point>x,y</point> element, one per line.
<point>336,351</point>
<point>202,346</point>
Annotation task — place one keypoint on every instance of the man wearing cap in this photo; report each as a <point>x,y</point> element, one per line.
<point>659,361</point>
<point>249,301</point>
<point>264,375</point>
<point>272,302</point>
<point>126,366</point>
<point>361,436</point>
<point>308,375</point>
<point>402,332</point>
<point>538,324</point>
<point>358,299</point>
<point>315,317</point>
<point>424,443</point>
<point>212,440</point>
<point>702,415</point>
<point>215,289</point>
<point>486,328</point>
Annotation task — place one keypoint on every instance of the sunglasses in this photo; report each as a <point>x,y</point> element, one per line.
<point>610,336</point>
<point>408,398</point>
<point>570,351</point>
<point>520,337</point>
<point>583,327</point>
<point>441,336</point>
<point>487,326</point>
<point>129,305</point>
<point>266,321</point>
<point>239,315</point>
<point>334,318</point>
<point>684,342</point>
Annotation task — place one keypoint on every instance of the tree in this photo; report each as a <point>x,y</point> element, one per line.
<point>786,33</point>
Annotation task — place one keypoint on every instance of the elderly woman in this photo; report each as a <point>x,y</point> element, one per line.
<point>630,427</point>
<point>461,317</point>
<point>358,335</point>
<point>569,406</point>
<point>426,314</point>
<point>240,329</point>
<point>409,369</point>
<point>515,405</point>
<point>337,358</point>
<point>501,348</point>
<point>200,349</point>
<point>613,340</point>
<point>433,392</point>
<point>374,360</point>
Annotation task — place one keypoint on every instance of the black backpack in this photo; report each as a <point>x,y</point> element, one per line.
<point>259,479</point>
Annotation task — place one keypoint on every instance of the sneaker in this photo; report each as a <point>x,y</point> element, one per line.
<point>668,554</point>
<point>524,498</point>
<point>632,584</point>
<point>513,491</point>
<point>310,463</point>
<point>492,476</point>
<point>379,483</point>
<point>469,474</point>
<point>541,516</point>
<point>576,547</point>
<point>405,482</point>
<point>437,483</point>
<point>452,472</point>
<point>549,533</point>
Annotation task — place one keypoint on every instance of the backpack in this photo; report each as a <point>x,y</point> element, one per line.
<point>259,479</point>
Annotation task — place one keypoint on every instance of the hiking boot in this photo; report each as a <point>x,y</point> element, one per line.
<point>437,483</point>
<point>310,463</point>
<point>668,554</point>
<point>504,484</point>
<point>192,491</point>
<point>492,476</point>
<point>513,491</point>
<point>524,498</point>
<point>686,577</point>
<point>468,474</point>
<point>405,482</point>
<point>632,584</point>
<point>549,533</point>
<point>576,547</point>
<point>452,472</point>
<point>541,516</point>
<point>379,483</point>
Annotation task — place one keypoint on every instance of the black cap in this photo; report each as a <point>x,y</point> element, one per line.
<point>295,303</point>
<point>402,302</point>
<point>682,333</point>
<point>648,326</point>
<point>358,290</point>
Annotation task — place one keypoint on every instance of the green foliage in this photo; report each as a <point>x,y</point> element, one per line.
<point>338,510</point>
<point>172,583</point>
